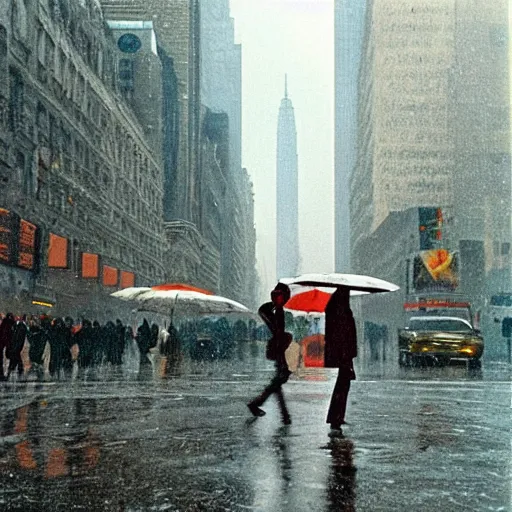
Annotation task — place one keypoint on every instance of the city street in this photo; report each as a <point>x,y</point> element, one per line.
<point>183,440</point>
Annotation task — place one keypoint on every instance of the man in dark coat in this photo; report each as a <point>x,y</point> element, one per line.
<point>59,347</point>
<point>18,341</point>
<point>85,340</point>
<point>340,349</point>
<point>272,314</point>
<point>6,332</point>
<point>37,340</point>
<point>117,354</point>
<point>144,341</point>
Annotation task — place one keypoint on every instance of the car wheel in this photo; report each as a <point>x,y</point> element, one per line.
<point>404,359</point>
<point>443,361</point>
<point>474,364</point>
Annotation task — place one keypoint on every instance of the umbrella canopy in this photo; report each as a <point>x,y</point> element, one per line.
<point>187,299</point>
<point>310,293</point>
<point>311,301</point>
<point>354,282</point>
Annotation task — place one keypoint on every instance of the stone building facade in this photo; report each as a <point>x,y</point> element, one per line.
<point>430,133</point>
<point>75,163</point>
<point>209,238</point>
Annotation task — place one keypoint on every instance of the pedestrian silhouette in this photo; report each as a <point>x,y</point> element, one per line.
<point>340,349</point>
<point>19,335</point>
<point>272,314</point>
<point>6,333</point>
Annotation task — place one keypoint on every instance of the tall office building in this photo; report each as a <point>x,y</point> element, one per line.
<point>287,247</point>
<point>434,125</point>
<point>348,33</point>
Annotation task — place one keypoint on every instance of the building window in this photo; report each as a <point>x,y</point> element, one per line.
<point>16,94</point>
<point>126,74</point>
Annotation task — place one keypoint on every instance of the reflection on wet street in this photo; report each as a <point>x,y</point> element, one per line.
<point>178,436</point>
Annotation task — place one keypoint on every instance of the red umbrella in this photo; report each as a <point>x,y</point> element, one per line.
<point>180,287</point>
<point>311,301</point>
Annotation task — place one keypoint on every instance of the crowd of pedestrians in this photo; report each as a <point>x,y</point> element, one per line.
<point>88,343</point>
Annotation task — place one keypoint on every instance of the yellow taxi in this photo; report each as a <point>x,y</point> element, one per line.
<point>439,339</point>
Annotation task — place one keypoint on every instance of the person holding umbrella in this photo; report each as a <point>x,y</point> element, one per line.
<point>272,314</point>
<point>311,294</point>
<point>340,350</point>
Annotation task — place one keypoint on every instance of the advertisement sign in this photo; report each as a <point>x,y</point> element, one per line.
<point>110,276</point>
<point>27,245</point>
<point>435,270</point>
<point>127,279</point>
<point>90,265</point>
<point>430,227</point>
<point>58,252</point>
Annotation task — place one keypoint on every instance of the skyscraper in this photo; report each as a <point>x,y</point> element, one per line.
<point>348,33</point>
<point>434,124</point>
<point>287,247</point>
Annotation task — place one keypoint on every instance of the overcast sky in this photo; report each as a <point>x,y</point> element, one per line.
<point>294,37</point>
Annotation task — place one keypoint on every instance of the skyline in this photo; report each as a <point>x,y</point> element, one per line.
<point>295,37</point>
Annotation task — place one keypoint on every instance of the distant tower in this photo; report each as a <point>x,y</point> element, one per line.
<point>287,257</point>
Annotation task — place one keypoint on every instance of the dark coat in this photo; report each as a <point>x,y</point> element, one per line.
<point>18,337</point>
<point>280,340</point>
<point>6,331</point>
<point>37,341</point>
<point>340,332</point>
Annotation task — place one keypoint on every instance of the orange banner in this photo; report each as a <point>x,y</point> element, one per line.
<point>127,279</point>
<point>110,276</point>
<point>90,265</point>
<point>57,252</point>
<point>27,245</point>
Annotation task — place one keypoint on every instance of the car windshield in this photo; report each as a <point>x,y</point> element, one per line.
<point>424,324</point>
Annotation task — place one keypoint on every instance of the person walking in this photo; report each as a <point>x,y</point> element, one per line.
<point>59,347</point>
<point>18,342</point>
<point>340,350</point>
<point>6,333</point>
<point>37,340</point>
<point>118,349</point>
<point>144,342</point>
<point>84,338</point>
<point>272,314</point>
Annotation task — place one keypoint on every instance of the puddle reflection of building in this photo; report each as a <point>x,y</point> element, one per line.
<point>75,454</point>
<point>341,482</point>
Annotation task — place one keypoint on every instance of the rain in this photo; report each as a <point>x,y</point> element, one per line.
<point>255,255</point>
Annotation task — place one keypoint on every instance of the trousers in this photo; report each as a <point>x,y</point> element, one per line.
<point>280,377</point>
<point>338,405</point>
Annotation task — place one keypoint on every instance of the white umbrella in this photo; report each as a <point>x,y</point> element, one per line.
<point>354,282</point>
<point>164,299</point>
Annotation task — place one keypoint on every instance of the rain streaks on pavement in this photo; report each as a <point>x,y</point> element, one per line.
<point>417,440</point>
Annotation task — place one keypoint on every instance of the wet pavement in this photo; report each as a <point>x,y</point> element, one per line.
<point>182,439</point>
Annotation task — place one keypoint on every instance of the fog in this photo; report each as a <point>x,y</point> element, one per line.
<point>293,37</point>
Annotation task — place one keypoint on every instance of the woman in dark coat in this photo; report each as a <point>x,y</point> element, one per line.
<point>340,349</point>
